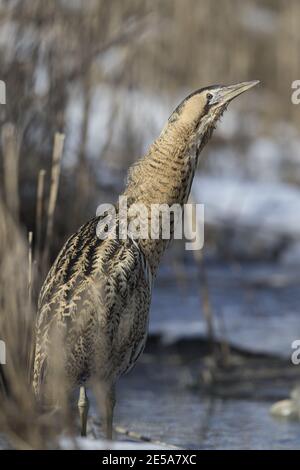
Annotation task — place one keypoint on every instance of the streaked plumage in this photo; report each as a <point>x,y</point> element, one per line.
<point>98,292</point>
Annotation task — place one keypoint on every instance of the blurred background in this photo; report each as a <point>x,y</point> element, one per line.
<point>107,74</point>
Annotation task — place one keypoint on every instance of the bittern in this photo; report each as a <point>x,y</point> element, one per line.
<point>98,291</point>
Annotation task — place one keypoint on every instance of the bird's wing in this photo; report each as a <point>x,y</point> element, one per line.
<point>86,260</point>
<point>69,259</point>
<point>91,283</point>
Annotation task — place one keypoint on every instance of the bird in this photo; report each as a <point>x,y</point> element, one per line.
<point>97,294</point>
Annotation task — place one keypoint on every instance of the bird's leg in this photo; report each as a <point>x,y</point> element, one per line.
<point>109,405</point>
<point>83,407</point>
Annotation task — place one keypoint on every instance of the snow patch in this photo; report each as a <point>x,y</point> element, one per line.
<point>267,206</point>
<point>88,443</point>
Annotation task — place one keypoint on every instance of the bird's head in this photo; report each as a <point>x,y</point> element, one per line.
<point>200,111</point>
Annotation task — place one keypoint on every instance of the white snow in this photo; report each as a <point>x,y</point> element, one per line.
<point>258,19</point>
<point>88,443</point>
<point>126,112</point>
<point>267,206</point>
<point>178,329</point>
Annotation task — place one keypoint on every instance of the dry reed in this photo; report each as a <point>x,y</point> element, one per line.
<point>39,211</point>
<point>55,173</point>
<point>10,151</point>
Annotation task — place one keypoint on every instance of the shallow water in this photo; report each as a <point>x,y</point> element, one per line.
<point>194,422</point>
<point>257,308</point>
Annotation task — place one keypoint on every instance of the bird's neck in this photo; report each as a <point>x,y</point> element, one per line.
<point>163,176</point>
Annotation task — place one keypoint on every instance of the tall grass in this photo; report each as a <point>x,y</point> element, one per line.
<point>55,173</point>
<point>22,421</point>
<point>18,411</point>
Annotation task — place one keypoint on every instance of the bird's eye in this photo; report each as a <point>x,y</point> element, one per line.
<point>209,96</point>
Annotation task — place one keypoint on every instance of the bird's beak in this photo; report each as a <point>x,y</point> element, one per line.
<point>228,93</point>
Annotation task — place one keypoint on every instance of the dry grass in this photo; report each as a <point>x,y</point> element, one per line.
<point>23,422</point>
<point>11,167</point>
<point>39,210</point>
<point>55,173</point>
<point>18,411</point>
